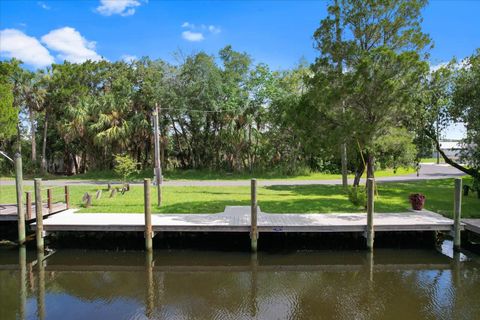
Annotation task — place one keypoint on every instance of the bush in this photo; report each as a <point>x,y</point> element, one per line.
<point>124,166</point>
<point>358,196</point>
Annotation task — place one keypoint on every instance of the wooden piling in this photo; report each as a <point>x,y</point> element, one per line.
<point>41,286</point>
<point>28,201</point>
<point>148,215</point>
<point>457,214</point>
<point>22,264</point>
<point>49,200</point>
<point>370,210</point>
<point>150,292</point>
<point>39,214</point>
<point>67,197</point>
<point>253,217</point>
<point>19,188</point>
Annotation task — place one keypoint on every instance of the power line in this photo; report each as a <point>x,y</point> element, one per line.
<point>196,110</point>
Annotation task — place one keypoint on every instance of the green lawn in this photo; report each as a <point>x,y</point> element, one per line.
<point>393,197</point>
<point>187,175</point>
<point>431,160</point>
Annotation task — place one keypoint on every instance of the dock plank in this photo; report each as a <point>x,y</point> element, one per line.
<point>472,225</point>
<point>8,212</point>
<point>237,219</point>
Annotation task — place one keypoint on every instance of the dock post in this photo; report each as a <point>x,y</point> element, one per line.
<point>28,201</point>
<point>253,218</point>
<point>39,214</point>
<point>67,197</point>
<point>41,285</point>
<point>150,292</point>
<point>19,187</point>
<point>370,210</point>
<point>49,200</point>
<point>22,264</point>
<point>457,214</point>
<point>148,215</point>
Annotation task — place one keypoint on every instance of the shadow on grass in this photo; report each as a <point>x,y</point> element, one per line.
<point>309,190</point>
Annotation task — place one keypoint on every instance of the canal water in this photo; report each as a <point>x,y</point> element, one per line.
<point>182,284</point>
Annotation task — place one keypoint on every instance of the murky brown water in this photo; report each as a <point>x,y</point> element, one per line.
<point>390,284</point>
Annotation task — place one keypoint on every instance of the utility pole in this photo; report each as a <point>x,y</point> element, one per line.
<point>158,167</point>
<point>438,137</point>
<point>343,147</point>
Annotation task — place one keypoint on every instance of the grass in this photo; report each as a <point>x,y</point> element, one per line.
<point>431,160</point>
<point>393,197</point>
<point>187,175</point>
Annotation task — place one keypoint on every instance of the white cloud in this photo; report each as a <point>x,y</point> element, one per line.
<point>128,58</point>
<point>462,64</point>
<point>214,29</point>
<point>121,7</point>
<point>43,5</point>
<point>196,32</point>
<point>16,44</point>
<point>71,45</point>
<point>192,36</point>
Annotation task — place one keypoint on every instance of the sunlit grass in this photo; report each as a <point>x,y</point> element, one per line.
<point>392,197</point>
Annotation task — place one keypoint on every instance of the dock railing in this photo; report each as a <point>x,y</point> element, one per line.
<point>53,197</point>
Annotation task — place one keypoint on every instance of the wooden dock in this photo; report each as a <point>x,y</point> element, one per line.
<point>237,219</point>
<point>8,212</point>
<point>472,225</point>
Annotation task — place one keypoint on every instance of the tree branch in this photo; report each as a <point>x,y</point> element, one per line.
<point>470,171</point>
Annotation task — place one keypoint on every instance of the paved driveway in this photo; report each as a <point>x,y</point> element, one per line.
<point>427,172</point>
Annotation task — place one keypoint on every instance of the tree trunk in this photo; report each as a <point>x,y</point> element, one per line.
<point>250,160</point>
<point>44,145</point>
<point>75,163</point>
<point>83,162</point>
<point>370,166</point>
<point>32,136</point>
<point>162,152</point>
<point>358,175</point>
<point>19,138</point>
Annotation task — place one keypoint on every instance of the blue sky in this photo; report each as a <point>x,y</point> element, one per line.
<point>278,33</point>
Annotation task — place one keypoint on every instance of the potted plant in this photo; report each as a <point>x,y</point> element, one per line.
<point>417,200</point>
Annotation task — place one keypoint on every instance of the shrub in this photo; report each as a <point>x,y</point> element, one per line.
<point>124,166</point>
<point>357,196</point>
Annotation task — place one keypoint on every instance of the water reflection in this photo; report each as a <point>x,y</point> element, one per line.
<point>22,266</point>
<point>412,284</point>
<point>40,285</point>
<point>150,292</point>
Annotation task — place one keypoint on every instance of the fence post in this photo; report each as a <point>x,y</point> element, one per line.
<point>253,217</point>
<point>39,214</point>
<point>148,215</point>
<point>49,200</point>
<point>19,187</point>
<point>67,197</point>
<point>370,210</point>
<point>28,200</point>
<point>457,214</point>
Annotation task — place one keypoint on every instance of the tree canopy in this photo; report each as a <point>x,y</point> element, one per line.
<point>369,88</point>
